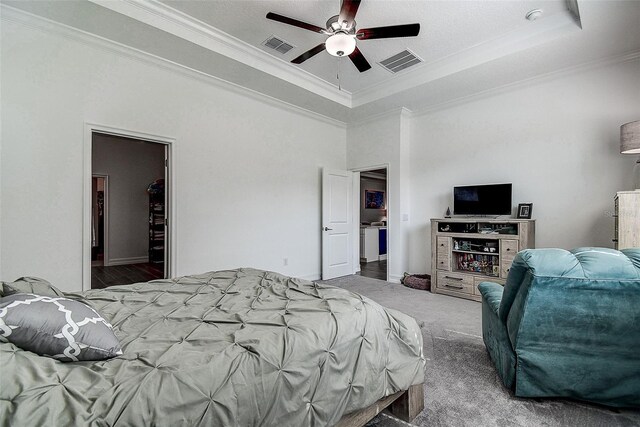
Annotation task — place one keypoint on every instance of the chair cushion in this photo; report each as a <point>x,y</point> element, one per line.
<point>582,263</point>
<point>56,327</point>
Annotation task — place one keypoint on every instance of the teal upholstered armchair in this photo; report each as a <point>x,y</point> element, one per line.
<point>567,324</point>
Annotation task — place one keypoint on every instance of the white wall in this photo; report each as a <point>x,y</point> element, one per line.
<point>556,141</point>
<point>247,171</point>
<point>131,166</point>
<point>376,142</point>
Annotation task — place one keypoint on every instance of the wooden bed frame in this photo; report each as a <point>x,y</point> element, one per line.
<point>405,405</point>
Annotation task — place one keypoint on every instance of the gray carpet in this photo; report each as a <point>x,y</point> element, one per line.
<point>462,387</point>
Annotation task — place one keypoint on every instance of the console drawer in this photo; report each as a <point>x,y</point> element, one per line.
<point>508,250</point>
<point>505,265</point>
<point>455,282</point>
<point>508,247</point>
<point>443,253</point>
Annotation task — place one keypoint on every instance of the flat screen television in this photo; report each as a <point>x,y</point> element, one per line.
<point>488,199</point>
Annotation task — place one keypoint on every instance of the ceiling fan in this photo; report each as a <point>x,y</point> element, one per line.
<point>343,33</point>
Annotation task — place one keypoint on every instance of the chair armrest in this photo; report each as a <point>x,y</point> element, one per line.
<point>492,294</point>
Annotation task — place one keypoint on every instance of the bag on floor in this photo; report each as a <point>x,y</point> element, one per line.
<point>417,281</point>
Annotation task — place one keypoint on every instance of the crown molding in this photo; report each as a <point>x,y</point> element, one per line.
<point>24,18</point>
<point>398,112</point>
<point>540,78</point>
<point>35,22</point>
<point>406,113</point>
<point>508,43</point>
<point>172,21</point>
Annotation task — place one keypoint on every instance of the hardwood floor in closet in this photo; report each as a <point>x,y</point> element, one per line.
<point>102,277</point>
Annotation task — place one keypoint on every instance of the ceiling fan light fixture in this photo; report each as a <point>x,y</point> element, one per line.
<point>340,44</point>
<point>342,33</point>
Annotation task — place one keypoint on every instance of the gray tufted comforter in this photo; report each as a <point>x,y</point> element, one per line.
<point>240,347</point>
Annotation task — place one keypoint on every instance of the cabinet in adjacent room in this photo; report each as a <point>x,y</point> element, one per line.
<point>373,244</point>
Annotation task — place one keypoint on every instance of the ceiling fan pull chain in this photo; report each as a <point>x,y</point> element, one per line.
<point>338,75</point>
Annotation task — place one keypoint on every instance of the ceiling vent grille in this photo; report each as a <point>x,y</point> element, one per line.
<point>278,44</point>
<point>401,61</point>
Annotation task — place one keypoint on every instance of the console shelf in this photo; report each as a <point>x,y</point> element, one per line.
<point>474,252</point>
<point>467,251</point>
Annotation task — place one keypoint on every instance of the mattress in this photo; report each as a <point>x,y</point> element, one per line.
<point>239,347</point>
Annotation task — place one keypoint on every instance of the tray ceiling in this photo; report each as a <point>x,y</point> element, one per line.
<point>468,47</point>
<point>447,27</point>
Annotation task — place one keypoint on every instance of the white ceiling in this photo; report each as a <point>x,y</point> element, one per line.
<point>469,47</point>
<point>447,27</point>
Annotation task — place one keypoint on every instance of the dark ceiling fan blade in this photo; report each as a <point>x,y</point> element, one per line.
<point>308,54</point>
<point>348,10</point>
<point>359,60</point>
<point>407,30</point>
<point>295,23</point>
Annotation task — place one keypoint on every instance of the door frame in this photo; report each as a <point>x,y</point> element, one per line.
<point>105,216</point>
<point>356,214</point>
<point>170,209</point>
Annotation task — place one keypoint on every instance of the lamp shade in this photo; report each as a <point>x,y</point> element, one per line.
<point>340,44</point>
<point>630,138</point>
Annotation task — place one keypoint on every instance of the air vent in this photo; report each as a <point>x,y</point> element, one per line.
<point>401,61</point>
<point>278,45</point>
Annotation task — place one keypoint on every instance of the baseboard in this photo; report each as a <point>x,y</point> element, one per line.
<point>124,261</point>
<point>394,279</point>
<point>311,277</point>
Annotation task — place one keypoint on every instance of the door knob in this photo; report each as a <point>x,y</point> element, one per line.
<point>327,229</point>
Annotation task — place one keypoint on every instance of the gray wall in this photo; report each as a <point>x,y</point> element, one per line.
<point>131,167</point>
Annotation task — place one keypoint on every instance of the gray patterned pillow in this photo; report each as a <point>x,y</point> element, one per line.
<point>30,285</point>
<point>61,328</point>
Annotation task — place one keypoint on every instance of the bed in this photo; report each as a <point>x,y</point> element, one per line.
<point>239,347</point>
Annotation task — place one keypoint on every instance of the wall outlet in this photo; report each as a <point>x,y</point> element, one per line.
<point>285,261</point>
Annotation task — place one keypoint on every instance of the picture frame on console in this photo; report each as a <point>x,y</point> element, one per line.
<point>524,210</point>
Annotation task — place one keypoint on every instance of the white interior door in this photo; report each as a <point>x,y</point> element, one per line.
<point>337,223</point>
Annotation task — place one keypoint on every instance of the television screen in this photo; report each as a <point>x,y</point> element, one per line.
<point>489,199</point>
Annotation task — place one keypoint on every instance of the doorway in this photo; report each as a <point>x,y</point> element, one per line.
<point>129,227</point>
<point>374,236</point>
